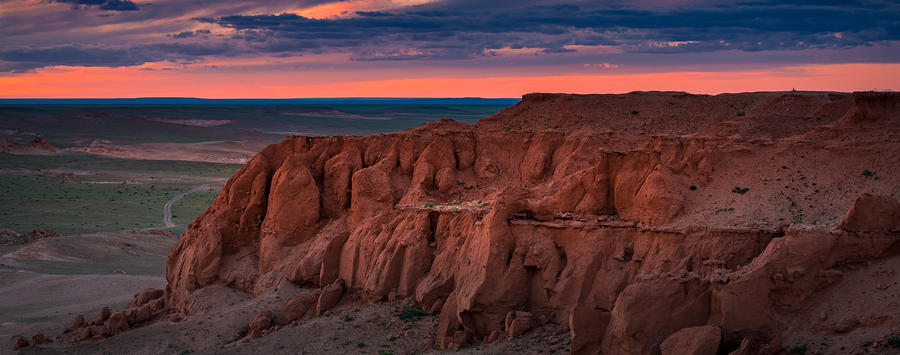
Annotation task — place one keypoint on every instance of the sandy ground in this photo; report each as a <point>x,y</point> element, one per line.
<point>45,284</point>
<point>353,327</point>
<point>230,152</point>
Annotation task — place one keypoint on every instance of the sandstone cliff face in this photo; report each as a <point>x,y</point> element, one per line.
<point>618,217</point>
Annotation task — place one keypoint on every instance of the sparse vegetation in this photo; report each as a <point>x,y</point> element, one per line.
<point>65,204</point>
<point>634,112</point>
<point>693,187</point>
<point>741,113</point>
<point>740,190</point>
<point>798,350</point>
<point>894,341</point>
<point>868,173</point>
<point>429,205</point>
<point>471,345</point>
<point>409,313</point>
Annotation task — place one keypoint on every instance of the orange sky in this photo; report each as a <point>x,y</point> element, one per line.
<point>440,48</point>
<point>74,82</point>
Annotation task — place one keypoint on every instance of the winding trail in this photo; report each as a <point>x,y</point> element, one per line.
<point>167,208</point>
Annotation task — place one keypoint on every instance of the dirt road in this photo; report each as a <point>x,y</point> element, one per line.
<point>167,208</point>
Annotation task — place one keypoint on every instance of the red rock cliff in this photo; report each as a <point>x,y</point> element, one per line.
<point>623,218</point>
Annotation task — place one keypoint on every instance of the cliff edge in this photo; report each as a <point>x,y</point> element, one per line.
<point>640,223</point>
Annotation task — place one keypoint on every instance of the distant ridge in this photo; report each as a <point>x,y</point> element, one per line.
<point>298,101</point>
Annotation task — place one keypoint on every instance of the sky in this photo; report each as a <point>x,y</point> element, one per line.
<point>442,48</point>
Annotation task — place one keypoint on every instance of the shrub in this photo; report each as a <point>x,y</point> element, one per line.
<point>740,190</point>
<point>721,210</point>
<point>634,112</point>
<point>741,113</point>
<point>693,187</point>
<point>894,341</point>
<point>867,173</point>
<point>798,350</point>
<point>412,314</point>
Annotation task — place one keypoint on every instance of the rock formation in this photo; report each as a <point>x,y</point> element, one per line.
<point>10,237</point>
<point>37,146</point>
<point>641,223</point>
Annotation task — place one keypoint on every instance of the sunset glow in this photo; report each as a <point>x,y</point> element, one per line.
<point>136,82</point>
<point>423,48</point>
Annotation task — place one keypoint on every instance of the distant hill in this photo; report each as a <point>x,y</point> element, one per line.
<point>306,101</point>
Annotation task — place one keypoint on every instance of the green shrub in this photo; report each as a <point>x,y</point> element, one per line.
<point>408,314</point>
<point>798,350</point>
<point>867,173</point>
<point>894,341</point>
<point>693,187</point>
<point>740,190</point>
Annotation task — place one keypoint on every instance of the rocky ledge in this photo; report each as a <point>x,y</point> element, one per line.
<point>639,223</point>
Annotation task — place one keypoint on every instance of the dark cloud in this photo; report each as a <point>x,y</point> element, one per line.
<point>24,59</point>
<point>109,5</point>
<point>189,34</point>
<point>450,29</point>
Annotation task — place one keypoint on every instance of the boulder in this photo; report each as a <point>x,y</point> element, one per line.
<point>330,296</point>
<point>700,340</point>
<point>118,323</point>
<point>636,324</point>
<point>145,296</point>
<point>260,322</point>
<point>517,322</point>
<point>78,322</point>
<point>85,334</point>
<point>93,331</point>
<point>298,307</point>
<point>587,325</point>
<point>102,316</point>
<point>39,338</point>
<point>143,313</point>
<point>872,213</point>
<point>20,343</point>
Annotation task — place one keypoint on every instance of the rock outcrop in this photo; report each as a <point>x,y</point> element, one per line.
<point>634,221</point>
<point>10,237</point>
<point>260,323</point>
<point>37,146</point>
<point>693,341</point>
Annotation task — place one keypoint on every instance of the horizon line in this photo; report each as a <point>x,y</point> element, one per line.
<point>432,97</point>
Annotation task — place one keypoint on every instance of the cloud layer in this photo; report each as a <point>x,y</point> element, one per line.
<point>115,33</point>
